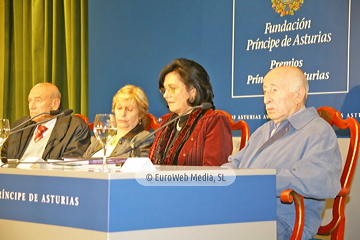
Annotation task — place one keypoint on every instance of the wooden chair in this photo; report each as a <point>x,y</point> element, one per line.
<point>288,196</point>
<point>336,226</point>
<point>153,122</point>
<point>239,125</point>
<point>91,125</point>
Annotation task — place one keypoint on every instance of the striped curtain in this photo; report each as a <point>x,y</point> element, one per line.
<point>43,41</point>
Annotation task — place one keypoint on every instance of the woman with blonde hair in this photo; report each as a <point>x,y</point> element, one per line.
<point>130,106</point>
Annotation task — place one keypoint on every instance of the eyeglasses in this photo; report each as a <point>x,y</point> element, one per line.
<point>170,90</point>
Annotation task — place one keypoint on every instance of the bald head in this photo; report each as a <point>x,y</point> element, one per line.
<point>292,76</point>
<point>43,97</point>
<point>285,91</point>
<point>48,89</point>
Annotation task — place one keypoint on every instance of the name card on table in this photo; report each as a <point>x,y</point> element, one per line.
<point>138,165</point>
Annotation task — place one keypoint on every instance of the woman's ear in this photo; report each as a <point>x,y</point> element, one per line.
<point>193,92</point>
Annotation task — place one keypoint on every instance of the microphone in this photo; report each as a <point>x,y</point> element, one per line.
<point>63,113</point>
<point>52,113</point>
<point>67,112</point>
<point>205,106</point>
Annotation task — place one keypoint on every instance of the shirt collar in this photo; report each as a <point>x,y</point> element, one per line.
<point>289,119</point>
<point>139,128</point>
<point>50,124</point>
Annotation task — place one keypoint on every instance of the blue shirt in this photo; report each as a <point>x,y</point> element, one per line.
<point>307,159</point>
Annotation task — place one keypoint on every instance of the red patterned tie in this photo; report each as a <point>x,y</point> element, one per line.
<point>40,130</point>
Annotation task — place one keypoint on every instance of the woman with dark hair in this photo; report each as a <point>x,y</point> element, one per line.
<point>199,138</point>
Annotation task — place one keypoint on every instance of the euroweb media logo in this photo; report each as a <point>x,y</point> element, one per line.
<point>286,7</point>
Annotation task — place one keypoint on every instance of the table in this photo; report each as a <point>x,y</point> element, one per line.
<point>77,203</point>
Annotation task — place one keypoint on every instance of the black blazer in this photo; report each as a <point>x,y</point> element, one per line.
<point>69,138</point>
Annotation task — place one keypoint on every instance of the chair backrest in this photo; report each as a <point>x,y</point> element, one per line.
<point>153,124</point>
<point>91,125</point>
<point>239,125</point>
<point>336,226</point>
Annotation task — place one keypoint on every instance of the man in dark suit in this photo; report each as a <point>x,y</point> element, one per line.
<point>65,136</point>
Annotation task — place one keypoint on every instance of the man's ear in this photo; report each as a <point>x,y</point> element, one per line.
<point>300,95</point>
<point>55,104</point>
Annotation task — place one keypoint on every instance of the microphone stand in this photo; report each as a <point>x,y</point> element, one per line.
<point>50,113</point>
<point>65,112</point>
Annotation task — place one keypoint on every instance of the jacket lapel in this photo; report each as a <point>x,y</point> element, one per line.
<point>280,133</point>
<point>24,138</point>
<point>57,134</point>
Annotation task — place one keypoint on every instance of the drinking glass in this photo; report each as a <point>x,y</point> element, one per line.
<point>4,131</point>
<point>105,130</point>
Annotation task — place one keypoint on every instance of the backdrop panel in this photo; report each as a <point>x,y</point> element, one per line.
<point>237,41</point>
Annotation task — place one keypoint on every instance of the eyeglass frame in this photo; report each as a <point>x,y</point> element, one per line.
<point>170,90</point>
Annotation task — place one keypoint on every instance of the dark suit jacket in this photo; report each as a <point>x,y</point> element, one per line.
<point>69,138</point>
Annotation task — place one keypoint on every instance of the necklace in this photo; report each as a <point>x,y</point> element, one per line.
<point>114,141</point>
<point>178,126</point>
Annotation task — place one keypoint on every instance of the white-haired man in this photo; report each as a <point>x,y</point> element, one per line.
<point>299,144</point>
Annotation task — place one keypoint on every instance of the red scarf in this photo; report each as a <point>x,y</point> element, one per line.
<point>166,136</point>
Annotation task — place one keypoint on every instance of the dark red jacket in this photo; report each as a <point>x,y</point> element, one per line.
<point>209,144</point>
